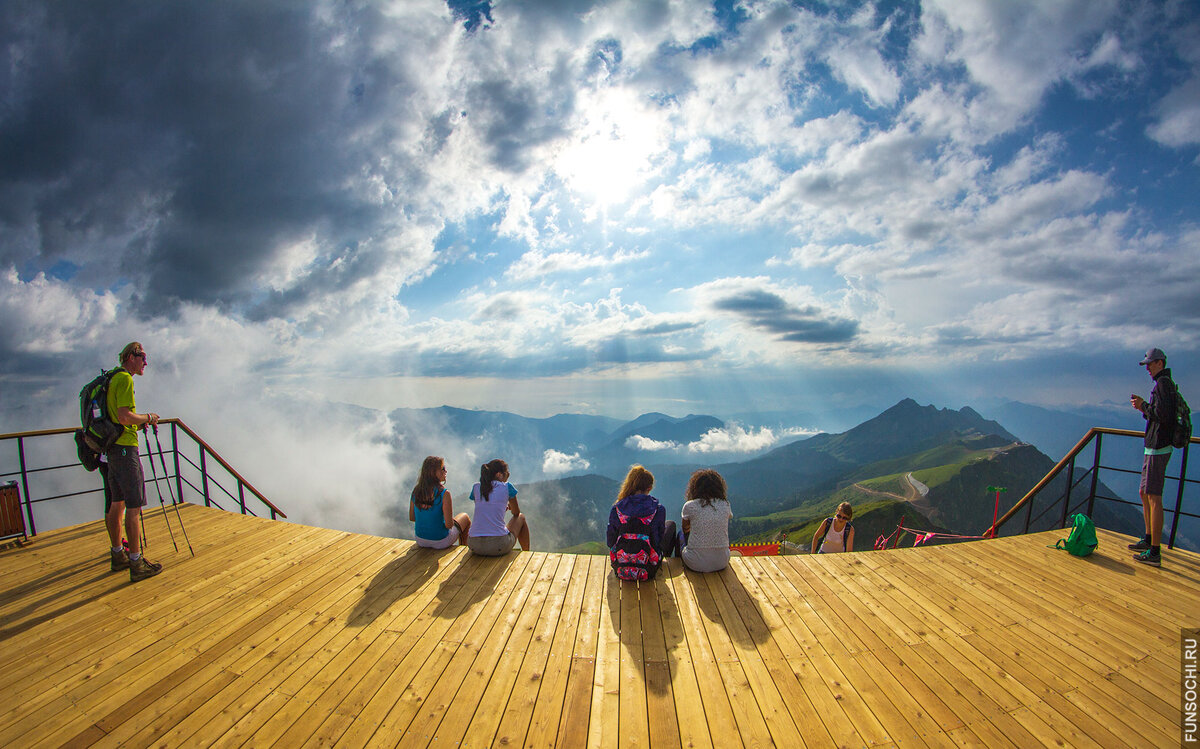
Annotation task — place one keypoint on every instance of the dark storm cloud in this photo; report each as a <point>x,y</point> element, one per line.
<point>768,311</point>
<point>516,118</point>
<point>180,146</point>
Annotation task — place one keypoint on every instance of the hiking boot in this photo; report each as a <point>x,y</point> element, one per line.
<point>120,560</point>
<point>143,568</point>
<point>1152,558</point>
<point>1142,545</point>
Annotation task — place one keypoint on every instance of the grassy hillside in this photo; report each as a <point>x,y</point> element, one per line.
<point>872,518</point>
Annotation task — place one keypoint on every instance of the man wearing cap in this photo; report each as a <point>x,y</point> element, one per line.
<point>125,467</point>
<point>1159,413</point>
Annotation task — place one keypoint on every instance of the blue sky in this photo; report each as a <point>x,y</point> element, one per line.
<point>608,208</point>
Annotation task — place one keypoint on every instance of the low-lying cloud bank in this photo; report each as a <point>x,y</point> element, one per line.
<point>733,439</point>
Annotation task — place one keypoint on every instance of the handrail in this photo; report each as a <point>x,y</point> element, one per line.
<point>1068,461</point>
<point>195,437</point>
<point>205,449</point>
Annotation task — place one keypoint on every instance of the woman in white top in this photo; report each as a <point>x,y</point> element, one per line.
<point>836,533</point>
<point>490,535</point>
<point>704,540</point>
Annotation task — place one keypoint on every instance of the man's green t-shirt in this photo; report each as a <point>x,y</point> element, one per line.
<point>120,393</point>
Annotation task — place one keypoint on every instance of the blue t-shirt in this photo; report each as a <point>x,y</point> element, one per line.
<point>431,523</point>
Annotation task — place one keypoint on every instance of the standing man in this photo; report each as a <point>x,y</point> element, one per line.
<point>1159,413</point>
<point>125,467</point>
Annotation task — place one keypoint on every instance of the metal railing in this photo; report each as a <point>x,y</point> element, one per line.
<point>195,474</point>
<point>1092,476</point>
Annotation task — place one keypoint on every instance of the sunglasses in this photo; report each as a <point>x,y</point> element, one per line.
<point>141,355</point>
<point>843,517</point>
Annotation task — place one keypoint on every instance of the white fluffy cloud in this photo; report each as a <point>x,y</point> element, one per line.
<point>555,463</point>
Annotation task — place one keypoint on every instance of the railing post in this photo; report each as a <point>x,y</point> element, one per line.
<point>1179,495</point>
<point>242,496</point>
<point>204,477</point>
<point>175,453</point>
<point>1028,514</point>
<point>1067,494</point>
<point>1095,476</point>
<point>25,486</point>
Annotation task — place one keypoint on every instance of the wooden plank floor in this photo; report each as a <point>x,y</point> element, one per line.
<point>286,635</point>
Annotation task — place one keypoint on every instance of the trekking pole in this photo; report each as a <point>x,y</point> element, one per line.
<point>174,502</point>
<point>158,489</point>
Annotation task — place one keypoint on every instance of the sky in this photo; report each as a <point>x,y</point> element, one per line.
<point>593,207</point>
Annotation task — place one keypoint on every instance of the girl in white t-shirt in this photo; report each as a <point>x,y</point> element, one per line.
<point>704,540</point>
<point>835,534</point>
<point>493,497</point>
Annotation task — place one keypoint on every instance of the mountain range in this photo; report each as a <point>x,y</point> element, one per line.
<point>954,455</point>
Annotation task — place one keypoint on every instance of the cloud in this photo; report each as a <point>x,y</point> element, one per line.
<point>735,438</point>
<point>638,442</point>
<point>536,264</point>
<point>1178,112</point>
<point>767,310</point>
<point>730,440</point>
<point>556,463</point>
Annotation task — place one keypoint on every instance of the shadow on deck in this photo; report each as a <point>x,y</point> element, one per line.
<point>276,633</point>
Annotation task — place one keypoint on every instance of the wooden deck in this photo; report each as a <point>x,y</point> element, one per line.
<point>286,635</point>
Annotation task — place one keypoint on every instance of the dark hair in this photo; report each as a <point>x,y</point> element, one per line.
<point>487,474</point>
<point>428,482</point>
<point>705,486</point>
<point>637,481</point>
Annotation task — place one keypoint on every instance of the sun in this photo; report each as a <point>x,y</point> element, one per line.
<point>613,150</point>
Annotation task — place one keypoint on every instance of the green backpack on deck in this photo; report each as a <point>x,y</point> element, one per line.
<point>1082,540</point>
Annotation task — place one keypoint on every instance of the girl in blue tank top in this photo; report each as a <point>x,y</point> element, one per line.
<point>429,507</point>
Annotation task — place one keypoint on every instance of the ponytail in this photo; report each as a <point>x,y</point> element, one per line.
<point>637,481</point>
<point>487,474</point>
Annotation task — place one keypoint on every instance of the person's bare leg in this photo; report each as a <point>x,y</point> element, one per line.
<point>1146,515</point>
<point>1155,523</point>
<point>133,529</point>
<point>519,528</point>
<point>464,524</point>
<point>113,522</point>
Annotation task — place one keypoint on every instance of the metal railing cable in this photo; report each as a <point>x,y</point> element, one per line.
<point>1095,437</point>
<point>202,481</point>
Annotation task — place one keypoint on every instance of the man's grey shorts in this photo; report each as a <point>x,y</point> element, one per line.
<point>1154,474</point>
<point>491,546</point>
<point>125,476</point>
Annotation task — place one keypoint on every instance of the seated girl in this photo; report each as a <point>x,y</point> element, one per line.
<point>493,495</point>
<point>704,539</point>
<point>639,535</point>
<point>836,533</point>
<point>429,507</point>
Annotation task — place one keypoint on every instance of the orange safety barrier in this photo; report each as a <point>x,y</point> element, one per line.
<point>756,550</point>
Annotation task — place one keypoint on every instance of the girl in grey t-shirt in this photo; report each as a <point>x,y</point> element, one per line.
<point>704,540</point>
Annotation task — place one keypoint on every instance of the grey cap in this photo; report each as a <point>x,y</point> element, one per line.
<point>1154,354</point>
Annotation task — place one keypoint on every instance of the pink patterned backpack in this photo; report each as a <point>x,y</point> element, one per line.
<point>633,557</point>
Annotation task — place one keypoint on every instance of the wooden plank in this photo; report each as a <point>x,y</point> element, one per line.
<point>173,656</point>
<point>780,698</point>
<point>426,666</point>
<point>548,708</point>
<point>718,708</point>
<point>465,679</point>
<point>690,722</point>
<point>751,723</point>
<point>633,723</point>
<point>662,722</point>
<point>575,721</point>
<point>605,710</point>
<point>521,646</point>
<point>1037,649</point>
